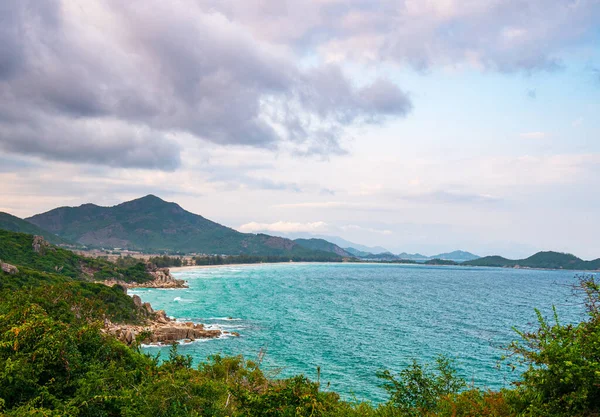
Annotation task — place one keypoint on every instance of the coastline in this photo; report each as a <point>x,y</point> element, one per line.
<point>191,267</point>
<point>194,267</point>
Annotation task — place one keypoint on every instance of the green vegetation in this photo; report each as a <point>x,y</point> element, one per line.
<point>323,246</point>
<point>249,259</point>
<point>357,253</point>
<point>153,225</point>
<point>546,260</point>
<point>438,261</point>
<point>15,224</point>
<point>18,249</point>
<point>55,360</point>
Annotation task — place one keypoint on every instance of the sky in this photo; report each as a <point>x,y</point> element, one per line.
<point>417,125</point>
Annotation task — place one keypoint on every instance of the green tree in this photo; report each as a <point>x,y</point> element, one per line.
<point>563,363</point>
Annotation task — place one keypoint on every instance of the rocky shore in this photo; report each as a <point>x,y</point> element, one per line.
<point>159,329</point>
<point>162,278</point>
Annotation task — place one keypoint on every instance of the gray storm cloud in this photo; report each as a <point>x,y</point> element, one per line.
<point>113,83</point>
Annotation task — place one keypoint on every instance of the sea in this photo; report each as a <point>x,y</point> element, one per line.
<point>342,323</point>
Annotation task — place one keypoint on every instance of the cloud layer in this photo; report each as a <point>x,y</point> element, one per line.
<point>117,83</point>
<point>492,34</point>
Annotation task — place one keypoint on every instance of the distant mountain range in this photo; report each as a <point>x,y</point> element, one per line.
<point>457,256</point>
<point>547,260</point>
<point>340,242</point>
<point>153,225</point>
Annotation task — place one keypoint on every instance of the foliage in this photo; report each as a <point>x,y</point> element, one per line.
<point>417,389</point>
<point>253,259</point>
<point>438,261</point>
<point>563,375</point>
<point>166,261</point>
<point>55,360</point>
<point>14,224</point>
<point>17,249</point>
<point>548,260</point>
<point>324,246</point>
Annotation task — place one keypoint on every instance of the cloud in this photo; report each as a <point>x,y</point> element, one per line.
<point>514,35</point>
<point>452,197</point>
<point>342,205</point>
<point>284,227</point>
<point>533,135</point>
<point>353,227</point>
<point>136,75</point>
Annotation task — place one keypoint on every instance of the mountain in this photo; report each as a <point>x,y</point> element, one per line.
<point>546,260</point>
<point>413,256</point>
<point>456,256</point>
<point>342,243</point>
<point>323,245</point>
<point>382,257</point>
<point>15,224</point>
<point>154,225</point>
<point>358,253</point>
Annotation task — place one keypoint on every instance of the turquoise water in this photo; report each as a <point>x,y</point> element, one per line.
<point>352,320</point>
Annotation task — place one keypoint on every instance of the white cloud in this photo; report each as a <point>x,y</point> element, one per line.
<point>284,227</point>
<point>353,227</point>
<point>533,135</point>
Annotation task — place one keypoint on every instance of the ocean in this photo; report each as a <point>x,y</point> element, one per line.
<point>352,320</point>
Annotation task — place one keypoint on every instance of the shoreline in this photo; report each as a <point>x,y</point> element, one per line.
<point>188,267</point>
<point>193,267</point>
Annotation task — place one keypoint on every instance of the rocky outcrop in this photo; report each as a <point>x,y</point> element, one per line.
<point>161,278</point>
<point>160,330</point>
<point>39,245</point>
<point>9,269</point>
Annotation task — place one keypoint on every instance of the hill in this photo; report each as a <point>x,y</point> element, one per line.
<point>442,262</point>
<point>153,225</point>
<point>31,252</point>
<point>456,256</point>
<point>15,224</point>
<point>413,256</point>
<point>545,260</point>
<point>358,253</point>
<point>324,246</point>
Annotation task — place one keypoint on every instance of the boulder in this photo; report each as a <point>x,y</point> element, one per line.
<point>137,301</point>
<point>39,245</point>
<point>9,269</point>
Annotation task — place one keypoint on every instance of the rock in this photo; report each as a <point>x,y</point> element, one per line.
<point>161,278</point>
<point>148,308</point>
<point>40,245</point>
<point>9,269</point>
<point>235,334</point>
<point>137,301</point>
<point>161,317</point>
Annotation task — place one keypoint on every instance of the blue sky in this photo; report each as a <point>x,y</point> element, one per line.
<point>421,126</point>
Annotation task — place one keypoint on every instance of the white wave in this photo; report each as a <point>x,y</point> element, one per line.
<point>184,342</point>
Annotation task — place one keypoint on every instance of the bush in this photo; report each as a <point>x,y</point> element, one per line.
<point>563,363</point>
